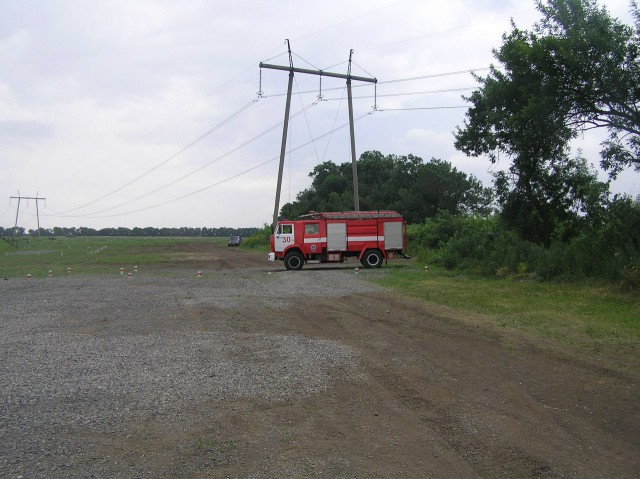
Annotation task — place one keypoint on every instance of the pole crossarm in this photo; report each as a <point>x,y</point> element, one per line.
<point>318,73</point>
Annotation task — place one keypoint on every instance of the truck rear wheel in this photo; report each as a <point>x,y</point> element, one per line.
<point>372,258</point>
<point>293,260</point>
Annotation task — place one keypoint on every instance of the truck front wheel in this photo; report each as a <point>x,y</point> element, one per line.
<point>372,258</point>
<point>293,260</point>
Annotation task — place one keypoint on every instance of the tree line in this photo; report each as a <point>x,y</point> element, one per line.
<point>148,231</point>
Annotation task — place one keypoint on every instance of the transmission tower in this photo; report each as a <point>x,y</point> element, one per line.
<point>19,197</point>
<point>291,69</point>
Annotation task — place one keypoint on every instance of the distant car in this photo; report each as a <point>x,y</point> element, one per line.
<point>234,241</point>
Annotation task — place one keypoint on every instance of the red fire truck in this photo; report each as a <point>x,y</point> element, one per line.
<point>372,236</point>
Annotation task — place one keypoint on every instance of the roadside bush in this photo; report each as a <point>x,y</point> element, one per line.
<point>260,239</point>
<point>436,232</point>
<point>509,255</point>
<point>551,262</point>
<point>608,250</point>
<point>481,245</point>
<point>631,277</point>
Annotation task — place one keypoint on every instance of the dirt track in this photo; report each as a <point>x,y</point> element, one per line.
<point>429,394</point>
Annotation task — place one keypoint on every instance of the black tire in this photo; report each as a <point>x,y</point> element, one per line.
<point>294,261</point>
<point>372,258</point>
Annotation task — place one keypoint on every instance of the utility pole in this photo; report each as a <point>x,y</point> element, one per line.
<point>19,197</point>
<point>283,146</point>
<point>354,167</point>
<point>291,69</point>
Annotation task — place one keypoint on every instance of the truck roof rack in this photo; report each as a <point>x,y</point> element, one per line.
<point>351,215</point>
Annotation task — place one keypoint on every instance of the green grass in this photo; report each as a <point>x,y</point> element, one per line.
<point>592,317</point>
<point>90,255</point>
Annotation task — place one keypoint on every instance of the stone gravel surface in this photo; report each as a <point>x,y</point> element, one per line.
<point>254,372</point>
<point>82,357</point>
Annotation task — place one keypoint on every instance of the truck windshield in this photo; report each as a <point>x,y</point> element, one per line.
<point>285,229</point>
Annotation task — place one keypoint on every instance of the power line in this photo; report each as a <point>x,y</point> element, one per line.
<point>147,172</point>
<point>434,75</point>
<point>424,108</point>
<point>182,150</point>
<point>206,165</point>
<point>427,92</point>
<point>191,144</point>
<point>264,132</point>
<point>397,80</point>
<point>157,205</point>
<point>166,122</point>
<point>334,122</point>
<point>201,137</point>
<point>307,121</point>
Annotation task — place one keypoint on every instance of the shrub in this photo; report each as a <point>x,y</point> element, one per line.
<point>631,277</point>
<point>606,247</point>
<point>259,239</point>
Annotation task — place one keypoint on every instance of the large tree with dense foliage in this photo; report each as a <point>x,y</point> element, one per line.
<point>436,187</point>
<point>594,60</point>
<point>578,69</point>
<point>407,184</point>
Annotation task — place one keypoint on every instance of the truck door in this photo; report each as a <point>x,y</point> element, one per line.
<point>312,239</point>
<point>336,236</point>
<point>284,237</point>
<point>393,235</point>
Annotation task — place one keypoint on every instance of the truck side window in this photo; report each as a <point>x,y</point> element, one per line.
<point>286,229</point>
<point>311,229</point>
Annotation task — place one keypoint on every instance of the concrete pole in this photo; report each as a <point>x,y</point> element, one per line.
<point>283,150</point>
<point>356,197</point>
<point>15,228</point>
<point>38,215</point>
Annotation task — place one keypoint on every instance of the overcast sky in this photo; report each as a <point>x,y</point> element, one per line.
<point>148,113</point>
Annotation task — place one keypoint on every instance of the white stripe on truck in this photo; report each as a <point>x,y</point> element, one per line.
<point>364,238</point>
<point>349,238</point>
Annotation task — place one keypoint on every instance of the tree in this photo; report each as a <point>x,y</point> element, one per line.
<point>553,204</point>
<point>404,183</point>
<point>439,187</point>
<point>595,61</point>
<point>381,178</point>
<point>578,69</point>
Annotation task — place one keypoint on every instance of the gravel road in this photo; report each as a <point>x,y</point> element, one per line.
<point>85,356</point>
<point>255,372</point>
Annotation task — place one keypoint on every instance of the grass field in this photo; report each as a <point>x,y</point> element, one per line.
<point>89,255</point>
<point>588,316</point>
